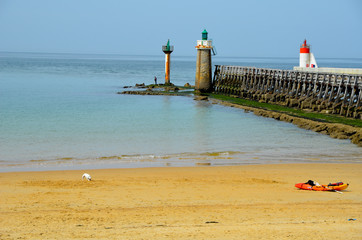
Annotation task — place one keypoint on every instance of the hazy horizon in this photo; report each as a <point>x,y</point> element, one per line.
<point>238,28</point>
<point>162,55</point>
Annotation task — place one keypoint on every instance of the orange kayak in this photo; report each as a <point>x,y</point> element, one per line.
<point>330,187</point>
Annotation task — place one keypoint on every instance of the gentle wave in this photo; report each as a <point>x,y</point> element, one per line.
<point>127,158</point>
<point>221,158</point>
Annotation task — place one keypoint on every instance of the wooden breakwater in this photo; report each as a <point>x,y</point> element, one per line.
<point>324,92</point>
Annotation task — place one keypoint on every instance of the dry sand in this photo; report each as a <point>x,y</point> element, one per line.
<point>237,202</point>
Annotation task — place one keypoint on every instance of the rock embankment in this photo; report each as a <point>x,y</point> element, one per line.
<point>334,130</point>
<point>142,93</point>
<point>159,89</point>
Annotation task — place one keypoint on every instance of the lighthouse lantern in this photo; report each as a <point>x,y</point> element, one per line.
<point>204,35</point>
<point>204,43</point>
<point>306,58</point>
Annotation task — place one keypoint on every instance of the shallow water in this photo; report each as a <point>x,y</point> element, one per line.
<point>62,112</point>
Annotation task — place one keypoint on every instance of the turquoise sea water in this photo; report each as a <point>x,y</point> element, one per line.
<point>61,111</point>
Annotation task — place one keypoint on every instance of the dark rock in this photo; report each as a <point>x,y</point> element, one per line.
<point>320,128</point>
<point>201,98</point>
<point>357,138</point>
<point>142,85</point>
<point>172,89</point>
<point>286,118</point>
<point>338,135</point>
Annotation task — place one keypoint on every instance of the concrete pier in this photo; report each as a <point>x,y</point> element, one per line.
<point>330,70</point>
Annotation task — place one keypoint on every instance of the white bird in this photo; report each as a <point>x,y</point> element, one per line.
<point>86,176</point>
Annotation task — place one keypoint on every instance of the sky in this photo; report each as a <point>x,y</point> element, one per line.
<point>238,28</point>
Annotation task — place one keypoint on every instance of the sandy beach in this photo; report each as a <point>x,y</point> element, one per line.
<point>204,202</point>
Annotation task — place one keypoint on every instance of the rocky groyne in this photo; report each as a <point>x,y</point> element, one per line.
<point>158,89</point>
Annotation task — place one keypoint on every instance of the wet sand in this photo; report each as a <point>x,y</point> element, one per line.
<point>236,202</point>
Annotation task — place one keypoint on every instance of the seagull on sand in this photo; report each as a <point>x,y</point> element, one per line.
<point>86,176</point>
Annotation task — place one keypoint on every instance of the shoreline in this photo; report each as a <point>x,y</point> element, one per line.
<point>228,202</point>
<point>213,159</point>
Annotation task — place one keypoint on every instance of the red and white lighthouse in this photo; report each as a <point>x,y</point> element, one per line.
<point>306,58</point>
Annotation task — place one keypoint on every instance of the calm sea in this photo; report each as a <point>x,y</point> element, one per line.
<point>61,111</point>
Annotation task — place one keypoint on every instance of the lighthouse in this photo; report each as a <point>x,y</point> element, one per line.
<point>203,76</point>
<point>167,49</point>
<point>306,58</point>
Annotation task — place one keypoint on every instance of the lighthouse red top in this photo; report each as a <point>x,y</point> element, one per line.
<point>304,48</point>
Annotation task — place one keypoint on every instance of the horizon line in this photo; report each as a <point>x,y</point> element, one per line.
<point>153,55</point>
